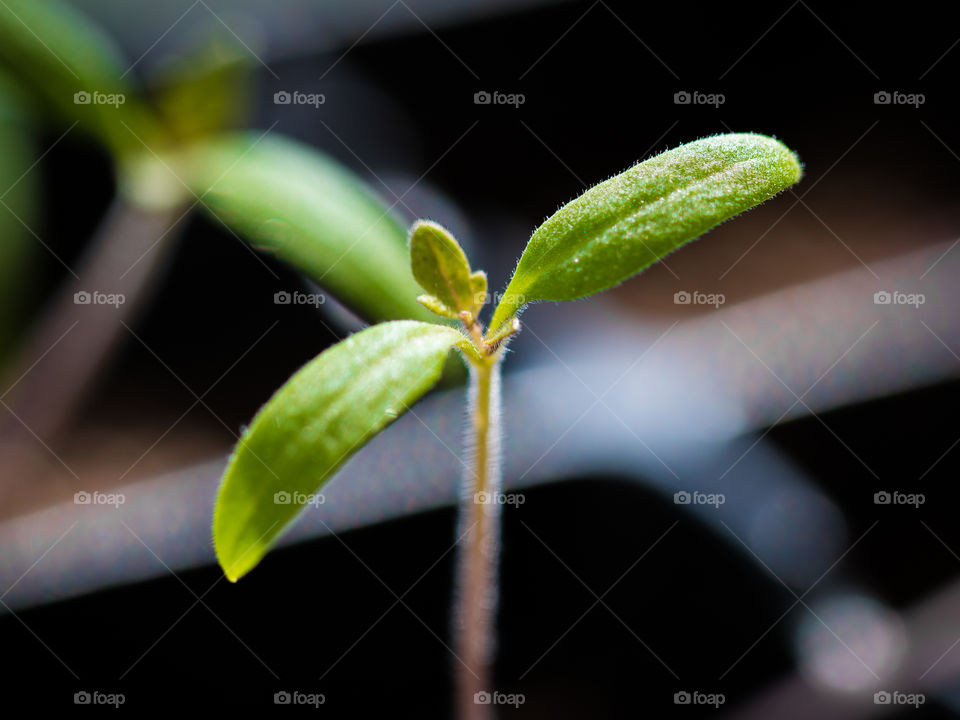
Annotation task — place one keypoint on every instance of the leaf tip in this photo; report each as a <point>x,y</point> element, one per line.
<point>422,224</point>
<point>790,165</point>
<point>235,568</point>
<point>783,163</point>
<point>437,307</point>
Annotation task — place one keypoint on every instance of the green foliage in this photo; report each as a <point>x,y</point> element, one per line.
<point>442,269</point>
<point>293,201</point>
<point>629,222</point>
<point>281,196</point>
<point>353,390</point>
<point>62,55</point>
<point>205,91</point>
<point>326,412</point>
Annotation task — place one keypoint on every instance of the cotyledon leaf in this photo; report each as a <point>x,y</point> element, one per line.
<point>312,425</point>
<point>627,223</point>
<point>293,201</point>
<point>63,55</point>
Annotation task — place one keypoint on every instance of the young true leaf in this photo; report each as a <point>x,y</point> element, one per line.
<point>442,269</point>
<point>434,305</point>
<point>478,286</point>
<point>295,202</point>
<point>207,89</point>
<point>326,412</point>
<point>625,224</point>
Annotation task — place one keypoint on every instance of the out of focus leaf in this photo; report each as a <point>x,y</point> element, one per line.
<point>59,53</point>
<point>293,201</point>
<point>205,91</point>
<point>627,223</point>
<point>313,424</point>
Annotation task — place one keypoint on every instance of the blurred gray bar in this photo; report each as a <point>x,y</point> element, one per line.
<point>672,408</point>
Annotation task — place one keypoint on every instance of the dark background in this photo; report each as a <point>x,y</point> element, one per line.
<point>600,101</point>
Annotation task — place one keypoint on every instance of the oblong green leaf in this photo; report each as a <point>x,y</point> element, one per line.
<point>441,267</point>
<point>326,412</point>
<point>627,223</point>
<point>64,56</point>
<point>291,200</point>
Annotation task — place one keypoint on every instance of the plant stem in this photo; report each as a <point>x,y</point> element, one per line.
<point>75,342</point>
<point>479,546</point>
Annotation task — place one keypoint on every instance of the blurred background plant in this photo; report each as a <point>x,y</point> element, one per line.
<point>171,148</point>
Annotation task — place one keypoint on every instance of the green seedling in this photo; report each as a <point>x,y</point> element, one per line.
<point>351,392</point>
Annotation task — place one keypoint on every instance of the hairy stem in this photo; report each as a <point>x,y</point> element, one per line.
<point>479,546</point>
